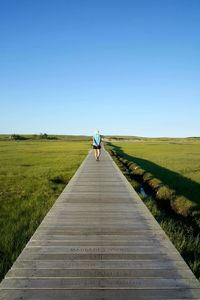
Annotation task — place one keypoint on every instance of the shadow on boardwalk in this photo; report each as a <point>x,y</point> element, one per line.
<point>183,185</point>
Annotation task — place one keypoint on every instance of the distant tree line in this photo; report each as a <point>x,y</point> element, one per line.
<point>41,136</point>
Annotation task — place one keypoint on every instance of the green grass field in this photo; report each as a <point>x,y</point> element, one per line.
<point>175,162</point>
<point>32,175</point>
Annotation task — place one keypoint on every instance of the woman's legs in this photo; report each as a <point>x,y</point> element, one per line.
<point>95,153</point>
<point>98,153</point>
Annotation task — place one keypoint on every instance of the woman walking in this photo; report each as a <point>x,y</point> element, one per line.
<point>97,145</point>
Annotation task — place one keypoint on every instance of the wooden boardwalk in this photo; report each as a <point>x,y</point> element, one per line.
<point>99,241</point>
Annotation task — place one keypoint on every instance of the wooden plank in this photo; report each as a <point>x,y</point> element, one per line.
<point>100,237</point>
<point>94,256</point>
<point>64,273</point>
<point>116,294</point>
<point>97,249</point>
<point>98,283</point>
<point>96,242</point>
<point>99,231</point>
<point>154,236</point>
<point>92,218</point>
<point>159,263</point>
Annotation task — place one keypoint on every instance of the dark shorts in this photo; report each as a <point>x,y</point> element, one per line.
<point>96,147</point>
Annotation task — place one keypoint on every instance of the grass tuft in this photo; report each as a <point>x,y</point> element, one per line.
<point>155,183</point>
<point>164,193</point>
<point>59,179</point>
<point>183,206</point>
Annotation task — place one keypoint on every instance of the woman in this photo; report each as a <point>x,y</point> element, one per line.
<point>97,144</point>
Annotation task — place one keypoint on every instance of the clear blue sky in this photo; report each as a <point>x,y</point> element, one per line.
<point>125,67</point>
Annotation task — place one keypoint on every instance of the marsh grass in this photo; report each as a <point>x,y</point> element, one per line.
<point>32,175</point>
<point>175,162</point>
<point>184,202</point>
<point>184,237</point>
